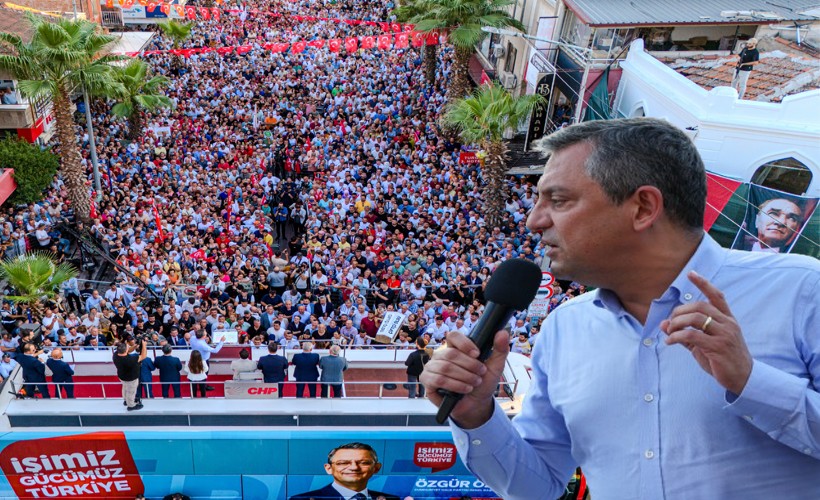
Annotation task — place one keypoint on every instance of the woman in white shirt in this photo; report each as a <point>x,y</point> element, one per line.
<point>197,369</point>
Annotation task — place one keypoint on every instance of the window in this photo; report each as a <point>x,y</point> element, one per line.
<point>512,54</point>
<point>785,174</point>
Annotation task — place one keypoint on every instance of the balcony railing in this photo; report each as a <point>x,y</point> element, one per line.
<point>16,116</point>
<point>112,18</point>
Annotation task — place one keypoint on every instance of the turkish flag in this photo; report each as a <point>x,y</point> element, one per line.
<point>127,4</point>
<point>205,13</point>
<point>224,50</point>
<point>190,12</point>
<point>384,42</point>
<point>165,9</point>
<point>316,44</point>
<point>385,27</point>
<point>152,6</point>
<point>402,40</point>
<point>199,254</point>
<point>432,38</point>
<point>244,49</point>
<point>298,47</point>
<point>368,42</point>
<point>408,27</point>
<point>109,3</point>
<point>335,45</point>
<point>142,2</point>
<point>418,38</point>
<point>352,44</point>
<point>280,47</point>
<point>180,10</point>
<point>395,27</point>
<point>299,18</point>
<point>215,13</point>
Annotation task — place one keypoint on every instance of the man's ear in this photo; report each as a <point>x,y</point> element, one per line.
<point>647,207</point>
<point>329,469</point>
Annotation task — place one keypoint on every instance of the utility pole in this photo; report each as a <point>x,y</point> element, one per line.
<point>91,142</point>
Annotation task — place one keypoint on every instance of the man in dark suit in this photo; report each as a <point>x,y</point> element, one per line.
<point>175,339</point>
<point>34,371</point>
<point>274,367</point>
<point>169,367</point>
<point>351,465</point>
<point>61,373</point>
<point>306,369</point>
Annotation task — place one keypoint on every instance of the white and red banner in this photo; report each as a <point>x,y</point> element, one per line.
<point>96,465</point>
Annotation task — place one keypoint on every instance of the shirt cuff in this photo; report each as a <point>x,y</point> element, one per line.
<point>485,440</point>
<point>769,399</point>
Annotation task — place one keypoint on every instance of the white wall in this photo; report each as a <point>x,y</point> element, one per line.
<point>735,137</point>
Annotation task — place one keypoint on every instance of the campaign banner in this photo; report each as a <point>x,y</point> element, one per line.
<point>231,336</point>
<point>774,220</point>
<point>437,456</point>
<point>95,465</point>
<point>389,328</point>
<point>251,390</point>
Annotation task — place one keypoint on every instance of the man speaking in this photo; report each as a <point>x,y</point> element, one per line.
<point>351,465</point>
<point>678,377</point>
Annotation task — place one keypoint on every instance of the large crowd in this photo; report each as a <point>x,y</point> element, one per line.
<point>301,196</point>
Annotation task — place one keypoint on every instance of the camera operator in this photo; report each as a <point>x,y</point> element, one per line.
<point>128,370</point>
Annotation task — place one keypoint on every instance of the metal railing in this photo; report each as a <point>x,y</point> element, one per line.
<point>112,18</point>
<point>391,389</point>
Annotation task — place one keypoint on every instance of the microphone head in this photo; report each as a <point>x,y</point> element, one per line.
<point>514,283</point>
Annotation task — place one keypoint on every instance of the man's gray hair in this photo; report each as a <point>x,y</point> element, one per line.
<point>630,153</point>
<point>307,346</point>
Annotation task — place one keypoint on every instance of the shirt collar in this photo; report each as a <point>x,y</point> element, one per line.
<point>347,493</point>
<point>706,261</point>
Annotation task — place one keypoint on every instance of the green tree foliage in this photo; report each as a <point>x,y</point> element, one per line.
<point>482,119</point>
<point>34,168</point>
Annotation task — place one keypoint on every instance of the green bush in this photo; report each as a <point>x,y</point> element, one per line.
<point>34,168</point>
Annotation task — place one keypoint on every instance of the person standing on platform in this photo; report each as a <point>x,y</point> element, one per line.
<point>169,367</point>
<point>306,370</point>
<point>128,371</point>
<point>61,374</point>
<point>333,367</point>
<point>34,371</point>
<point>274,367</point>
<point>415,365</point>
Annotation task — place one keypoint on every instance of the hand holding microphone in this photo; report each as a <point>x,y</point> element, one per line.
<point>460,370</point>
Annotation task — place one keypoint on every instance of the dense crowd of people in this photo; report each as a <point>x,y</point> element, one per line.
<point>300,197</point>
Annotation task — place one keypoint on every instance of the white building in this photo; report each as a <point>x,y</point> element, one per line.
<point>768,143</point>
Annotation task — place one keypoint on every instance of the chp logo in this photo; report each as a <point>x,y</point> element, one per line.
<point>437,456</point>
<point>96,465</point>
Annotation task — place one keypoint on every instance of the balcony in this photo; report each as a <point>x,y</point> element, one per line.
<point>16,116</point>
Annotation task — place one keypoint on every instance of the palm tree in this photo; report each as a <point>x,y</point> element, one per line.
<point>409,10</point>
<point>63,57</point>
<point>141,94</point>
<point>178,32</point>
<point>482,119</point>
<point>462,21</point>
<point>37,279</point>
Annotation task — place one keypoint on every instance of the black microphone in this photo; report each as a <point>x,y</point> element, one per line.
<point>511,288</point>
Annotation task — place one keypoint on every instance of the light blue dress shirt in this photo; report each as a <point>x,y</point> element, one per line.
<point>204,348</point>
<point>641,417</point>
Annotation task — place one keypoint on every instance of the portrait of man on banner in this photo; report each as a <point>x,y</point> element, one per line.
<point>774,220</point>
<point>351,465</point>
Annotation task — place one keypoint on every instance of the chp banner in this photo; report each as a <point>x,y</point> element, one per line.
<point>774,220</point>
<point>96,465</point>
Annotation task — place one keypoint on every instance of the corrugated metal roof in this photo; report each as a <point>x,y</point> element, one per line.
<point>669,12</point>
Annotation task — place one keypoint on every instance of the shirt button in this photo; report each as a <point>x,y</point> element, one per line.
<point>807,451</point>
<point>648,397</point>
<point>649,454</point>
<point>687,296</point>
<point>476,442</point>
<point>647,342</point>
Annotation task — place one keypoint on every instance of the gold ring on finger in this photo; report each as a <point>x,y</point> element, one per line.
<point>706,324</point>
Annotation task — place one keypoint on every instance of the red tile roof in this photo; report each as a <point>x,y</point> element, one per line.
<point>770,80</point>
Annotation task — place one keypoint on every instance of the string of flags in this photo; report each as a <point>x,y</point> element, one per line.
<point>350,44</point>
